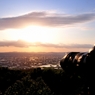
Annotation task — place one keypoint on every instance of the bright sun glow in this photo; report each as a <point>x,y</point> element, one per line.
<point>34,34</point>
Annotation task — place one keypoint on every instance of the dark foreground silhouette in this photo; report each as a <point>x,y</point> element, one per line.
<point>81,64</point>
<point>47,81</point>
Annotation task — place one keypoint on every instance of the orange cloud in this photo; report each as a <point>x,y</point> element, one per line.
<point>24,44</point>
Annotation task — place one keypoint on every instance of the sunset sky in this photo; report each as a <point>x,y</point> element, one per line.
<point>47,25</point>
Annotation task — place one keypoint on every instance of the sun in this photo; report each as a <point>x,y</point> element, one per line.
<point>34,34</point>
<point>43,34</point>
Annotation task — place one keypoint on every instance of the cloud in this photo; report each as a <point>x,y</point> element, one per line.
<point>44,18</point>
<point>18,43</point>
<point>24,44</point>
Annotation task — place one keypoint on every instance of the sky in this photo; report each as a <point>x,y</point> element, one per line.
<point>47,25</point>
